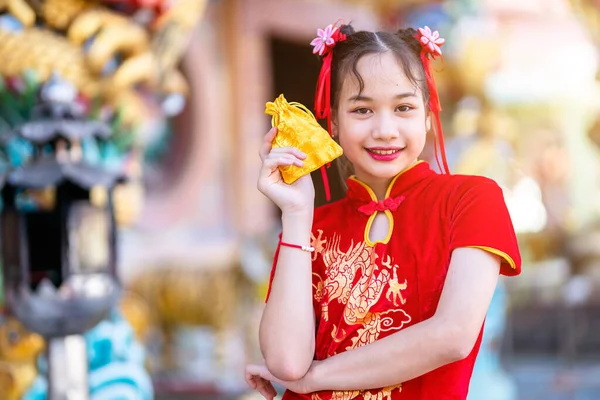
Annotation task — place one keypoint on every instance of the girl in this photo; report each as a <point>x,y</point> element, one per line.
<point>382,294</point>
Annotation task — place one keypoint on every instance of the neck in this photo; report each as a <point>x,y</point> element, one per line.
<point>378,186</point>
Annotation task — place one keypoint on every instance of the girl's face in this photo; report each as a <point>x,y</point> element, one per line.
<point>382,130</point>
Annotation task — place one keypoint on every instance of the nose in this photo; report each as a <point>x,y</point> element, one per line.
<point>385,128</point>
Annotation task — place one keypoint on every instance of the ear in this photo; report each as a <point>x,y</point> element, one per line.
<point>334,129</point>
<point>334,125</point>
<point>428,122</point>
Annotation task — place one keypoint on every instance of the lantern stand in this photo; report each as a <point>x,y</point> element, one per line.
<point>58,233</point>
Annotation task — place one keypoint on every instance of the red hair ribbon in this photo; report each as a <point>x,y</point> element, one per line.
<point>323,45</point>
<point>431,43</point>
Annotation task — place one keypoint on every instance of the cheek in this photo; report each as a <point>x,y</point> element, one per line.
<point>350,134</point>
<point>347,142</point>
<point>351,143</point>
<point>416,130</point>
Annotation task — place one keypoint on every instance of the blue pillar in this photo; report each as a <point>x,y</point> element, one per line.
<point>489,380</point>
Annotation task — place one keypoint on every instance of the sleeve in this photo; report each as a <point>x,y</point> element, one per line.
<point>480,219</point>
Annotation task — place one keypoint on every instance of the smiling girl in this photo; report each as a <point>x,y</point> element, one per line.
<point>382,294</point>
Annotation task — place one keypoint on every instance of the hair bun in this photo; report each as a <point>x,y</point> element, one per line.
<point>347,29</point>
<point>409,36</point>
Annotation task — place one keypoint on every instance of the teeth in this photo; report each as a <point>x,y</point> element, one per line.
<point>384,152</point>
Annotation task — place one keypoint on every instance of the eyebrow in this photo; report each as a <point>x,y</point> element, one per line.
<point>359,97</point>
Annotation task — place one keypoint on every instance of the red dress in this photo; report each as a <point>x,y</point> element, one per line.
<point>364,291</point>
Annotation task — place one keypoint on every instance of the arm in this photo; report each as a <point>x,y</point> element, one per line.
<point>287,327</point>
<point>446,337</point>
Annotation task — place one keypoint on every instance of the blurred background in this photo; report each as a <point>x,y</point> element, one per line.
<point>183,86</point>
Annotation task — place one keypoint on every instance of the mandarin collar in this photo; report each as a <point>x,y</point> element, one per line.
<point>360,192</point>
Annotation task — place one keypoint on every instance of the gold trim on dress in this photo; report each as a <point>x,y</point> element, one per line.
<point>368,229</point>
<point>499,253</point>
<point>391,185</point>
<point>387,212</point>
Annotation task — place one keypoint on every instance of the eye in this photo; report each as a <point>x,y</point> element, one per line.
<point>404,108</point>
<point>361,111</point>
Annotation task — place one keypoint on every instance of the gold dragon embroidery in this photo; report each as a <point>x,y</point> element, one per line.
<point>396,288</point>
<point>385,393</point>
<point>341,270</point>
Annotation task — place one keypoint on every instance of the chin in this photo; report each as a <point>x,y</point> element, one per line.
<point>394,169</point>
<point>385,173</point>
<point>384,170</point>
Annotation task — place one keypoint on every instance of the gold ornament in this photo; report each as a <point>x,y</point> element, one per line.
<point>20,10</point>
<point>297,127</point>
<point>19,350</point>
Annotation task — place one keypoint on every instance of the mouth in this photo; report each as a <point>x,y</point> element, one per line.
<point>384,152</point>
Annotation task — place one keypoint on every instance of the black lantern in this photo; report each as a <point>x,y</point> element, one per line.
<point>58,234</point>
<point>59,259</point>
<point>57,223</point>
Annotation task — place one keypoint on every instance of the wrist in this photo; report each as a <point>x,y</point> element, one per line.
<point>297,213</point>
<point>298,222</point>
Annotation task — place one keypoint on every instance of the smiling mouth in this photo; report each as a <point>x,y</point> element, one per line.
<point>383,152</point>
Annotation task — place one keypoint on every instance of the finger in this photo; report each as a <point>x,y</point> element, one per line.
<point>271,388</point>
<point>269,174</point>
<point>257,383</point>
<point>250,380</point>
<point>264,389</point>
<point>274,163</point>
<point>295,161</point>
<point>290,150</point>
<point>267,143</point>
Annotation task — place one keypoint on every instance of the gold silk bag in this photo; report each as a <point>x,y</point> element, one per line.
<point>297,127</point>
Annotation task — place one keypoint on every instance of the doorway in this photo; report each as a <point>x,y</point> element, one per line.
<point>295,72</point>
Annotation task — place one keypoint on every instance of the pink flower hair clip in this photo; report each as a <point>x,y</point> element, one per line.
<point>323,44</point>
<point>430,41</point>
<point>430,44</point>
<point>326,39</point>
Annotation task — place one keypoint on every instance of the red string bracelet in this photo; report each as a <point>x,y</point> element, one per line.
<point>309,249</point>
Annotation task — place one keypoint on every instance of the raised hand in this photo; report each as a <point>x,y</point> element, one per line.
<point>297,197</point>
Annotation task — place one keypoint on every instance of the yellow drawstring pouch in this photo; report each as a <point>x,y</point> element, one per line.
<point>297,127</point>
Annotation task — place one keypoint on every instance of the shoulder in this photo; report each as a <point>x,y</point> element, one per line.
<point>456,187</point>
<point>459,194</point>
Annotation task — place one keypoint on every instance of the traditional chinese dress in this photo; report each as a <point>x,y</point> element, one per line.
<point>364,291</point>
